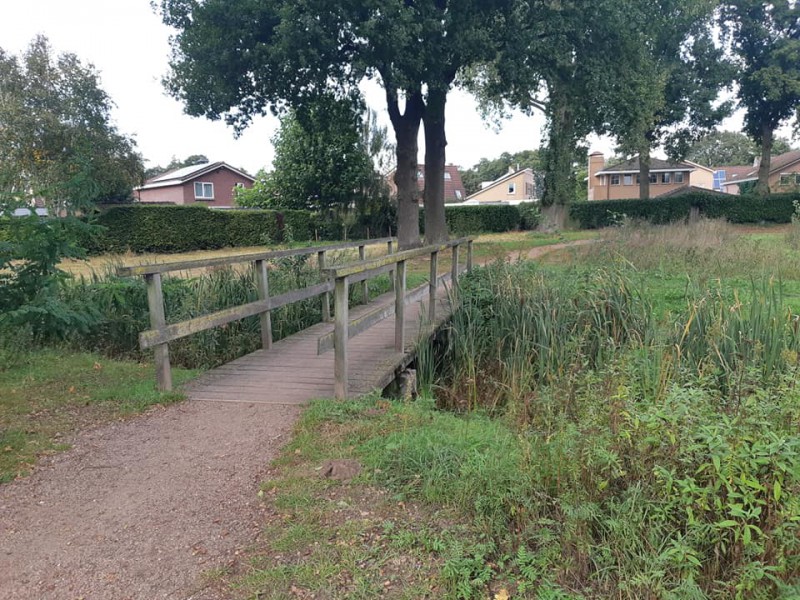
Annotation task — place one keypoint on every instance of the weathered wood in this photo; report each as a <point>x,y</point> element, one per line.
<point>148,339</point>
<point>155,303</point>
<point>400,313</point>
<point>454,272</point>
<point>187,265</point>
<point>262,281</point>
<point>326,298</point>
<point>469,256</point>
<point>390,250</point>
<point>362,255</point>
<point>381,261</point>
<point>432,281</point>
<point>340,339</point>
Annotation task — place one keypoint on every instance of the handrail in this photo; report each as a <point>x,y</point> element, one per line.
<point>161,334</point>
<point>343,275</point>
<point>186,265</point>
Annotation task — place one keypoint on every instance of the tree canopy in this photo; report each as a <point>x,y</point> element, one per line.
<point>765,39</point>
<point>489,170</point>
<point>730,148</point>
<point>57,140</point>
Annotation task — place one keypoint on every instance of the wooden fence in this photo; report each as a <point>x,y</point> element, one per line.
<point>161,334</point>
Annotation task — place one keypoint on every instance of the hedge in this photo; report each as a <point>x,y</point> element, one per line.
<point>776,208</point>
<point>491,218</point>
<point>139,228</point>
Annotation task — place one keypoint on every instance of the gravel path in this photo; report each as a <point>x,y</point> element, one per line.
<point>140,509</point>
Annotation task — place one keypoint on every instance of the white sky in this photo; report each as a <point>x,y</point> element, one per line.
<point>126,41</point>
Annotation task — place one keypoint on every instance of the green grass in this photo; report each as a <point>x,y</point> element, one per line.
<point>47,395</point>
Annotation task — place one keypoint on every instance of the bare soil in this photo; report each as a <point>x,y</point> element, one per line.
<point>140,509</point>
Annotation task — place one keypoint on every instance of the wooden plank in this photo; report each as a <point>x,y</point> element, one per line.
<point>400,313</point>
<point>374,263</point>
<point>390,250</point>
<point>362,255</point>
<point>186,265</point>
<point>433,280</point>
<point>152,337</point>
<point>262,282</point>
<point>326,297</point>
<point>469,256</point>
<point>340,339</point>
<point>155,304</point>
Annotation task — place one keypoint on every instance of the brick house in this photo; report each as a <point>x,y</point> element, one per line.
<point>621,181</point>
<point>209,184</point>
<point>784,174</point>
<point>515,187</point>
<point>453,186</point>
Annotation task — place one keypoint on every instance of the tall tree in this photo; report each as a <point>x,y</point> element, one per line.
<point>237,58</point>
<point>730,148</point>
<point>669,93</point>
<point>765,38</point>
<point>57,140</point>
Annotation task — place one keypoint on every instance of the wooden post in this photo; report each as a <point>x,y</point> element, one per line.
<point>155,302</point>
<point>262,280</point>
<point>340,338</point>
<point>454,271</point>
<point>469,256</point>
<point>399,307</point>
<point>390,250</point>
<point>362,255</point>
<point>326,297</point>
<point>432,287</point>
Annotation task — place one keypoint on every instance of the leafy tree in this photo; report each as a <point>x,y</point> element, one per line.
<point>237,58</point>
<point>57,142</point>
<point>730,148</point>
<point>175,163</point>
<point>668,95</point>
<point>765,38</point>
<point>322,161</point>
<point>489,170</point>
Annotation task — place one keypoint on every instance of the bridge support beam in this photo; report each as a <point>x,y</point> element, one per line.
<point>262,281</point>
<point>155,302</point>
<point>400,307</point>
<point>340,338</point>
<point>326,297</point>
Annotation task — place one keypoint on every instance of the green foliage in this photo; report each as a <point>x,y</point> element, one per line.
<point>778,208</point>
<point>729,148</point>
<point>57,141</point>
<point>491,218</point>
<point>140,228</point>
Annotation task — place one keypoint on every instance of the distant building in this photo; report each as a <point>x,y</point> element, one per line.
<point>784,174</point>
<point>621,181</point>
<point>514,187</point>
<point>453,186</point>
<point>208,184</point>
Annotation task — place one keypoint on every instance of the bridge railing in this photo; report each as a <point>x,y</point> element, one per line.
<point>344,275</point>
<point>161,334</point>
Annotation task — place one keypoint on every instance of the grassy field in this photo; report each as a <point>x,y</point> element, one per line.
<point>47,395</point>
<point>614,421</point>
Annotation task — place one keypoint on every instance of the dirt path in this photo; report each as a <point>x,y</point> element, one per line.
<point>140,509</point>
<point>542,250</point>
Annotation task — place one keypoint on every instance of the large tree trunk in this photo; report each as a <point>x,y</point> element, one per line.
<point>406,129</point>
<point>644,172</point>
<point>435,158</point>
<point>762,186</point>
<point>559,181</point>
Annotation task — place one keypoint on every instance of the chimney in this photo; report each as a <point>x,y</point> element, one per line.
<point>596,163</point>
<point>511,169</point>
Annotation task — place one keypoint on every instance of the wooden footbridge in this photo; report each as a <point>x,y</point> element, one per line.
<point>358,350</point>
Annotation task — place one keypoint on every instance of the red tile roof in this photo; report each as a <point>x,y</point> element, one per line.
<point>451,185</point>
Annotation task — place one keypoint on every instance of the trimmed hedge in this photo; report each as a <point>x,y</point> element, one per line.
<point>775,208</point>
<point>140,228</point>
<point>492,218</point>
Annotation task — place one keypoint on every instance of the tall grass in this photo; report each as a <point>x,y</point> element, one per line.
<point>630,457</point>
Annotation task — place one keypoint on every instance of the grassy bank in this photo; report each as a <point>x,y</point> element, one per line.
<point>48,395</point>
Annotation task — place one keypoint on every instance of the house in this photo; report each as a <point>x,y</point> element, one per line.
<point>453,186</point>
<point>621,181</point>
<point>784,174</point>
<point>209,184</point>
<point>516,186</point>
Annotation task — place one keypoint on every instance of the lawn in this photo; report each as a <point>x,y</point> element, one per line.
<point>48,395</point>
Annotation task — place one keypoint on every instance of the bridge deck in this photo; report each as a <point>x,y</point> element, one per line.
<point>292,372</point>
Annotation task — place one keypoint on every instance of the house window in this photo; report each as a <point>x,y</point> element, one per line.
<point>678,177</point>
<point>628,179</point>
<point>512,188</point>
<point>447,176</point>
<point>638,179</point>
<point>653,178</point>
<point>203,191</point>
<point>458,195</point>
<point>666,178</point>
<point>615,180</point>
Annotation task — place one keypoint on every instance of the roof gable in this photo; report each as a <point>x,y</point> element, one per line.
<point>185,174</point>
<point>500,181</point>
<point>656,164</point>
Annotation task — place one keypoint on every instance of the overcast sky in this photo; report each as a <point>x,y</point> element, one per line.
<point>129,46</point>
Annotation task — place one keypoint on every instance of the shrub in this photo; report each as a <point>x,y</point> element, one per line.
<point>139,228</point>
<point>776,208</point>
<point>491,218</point>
